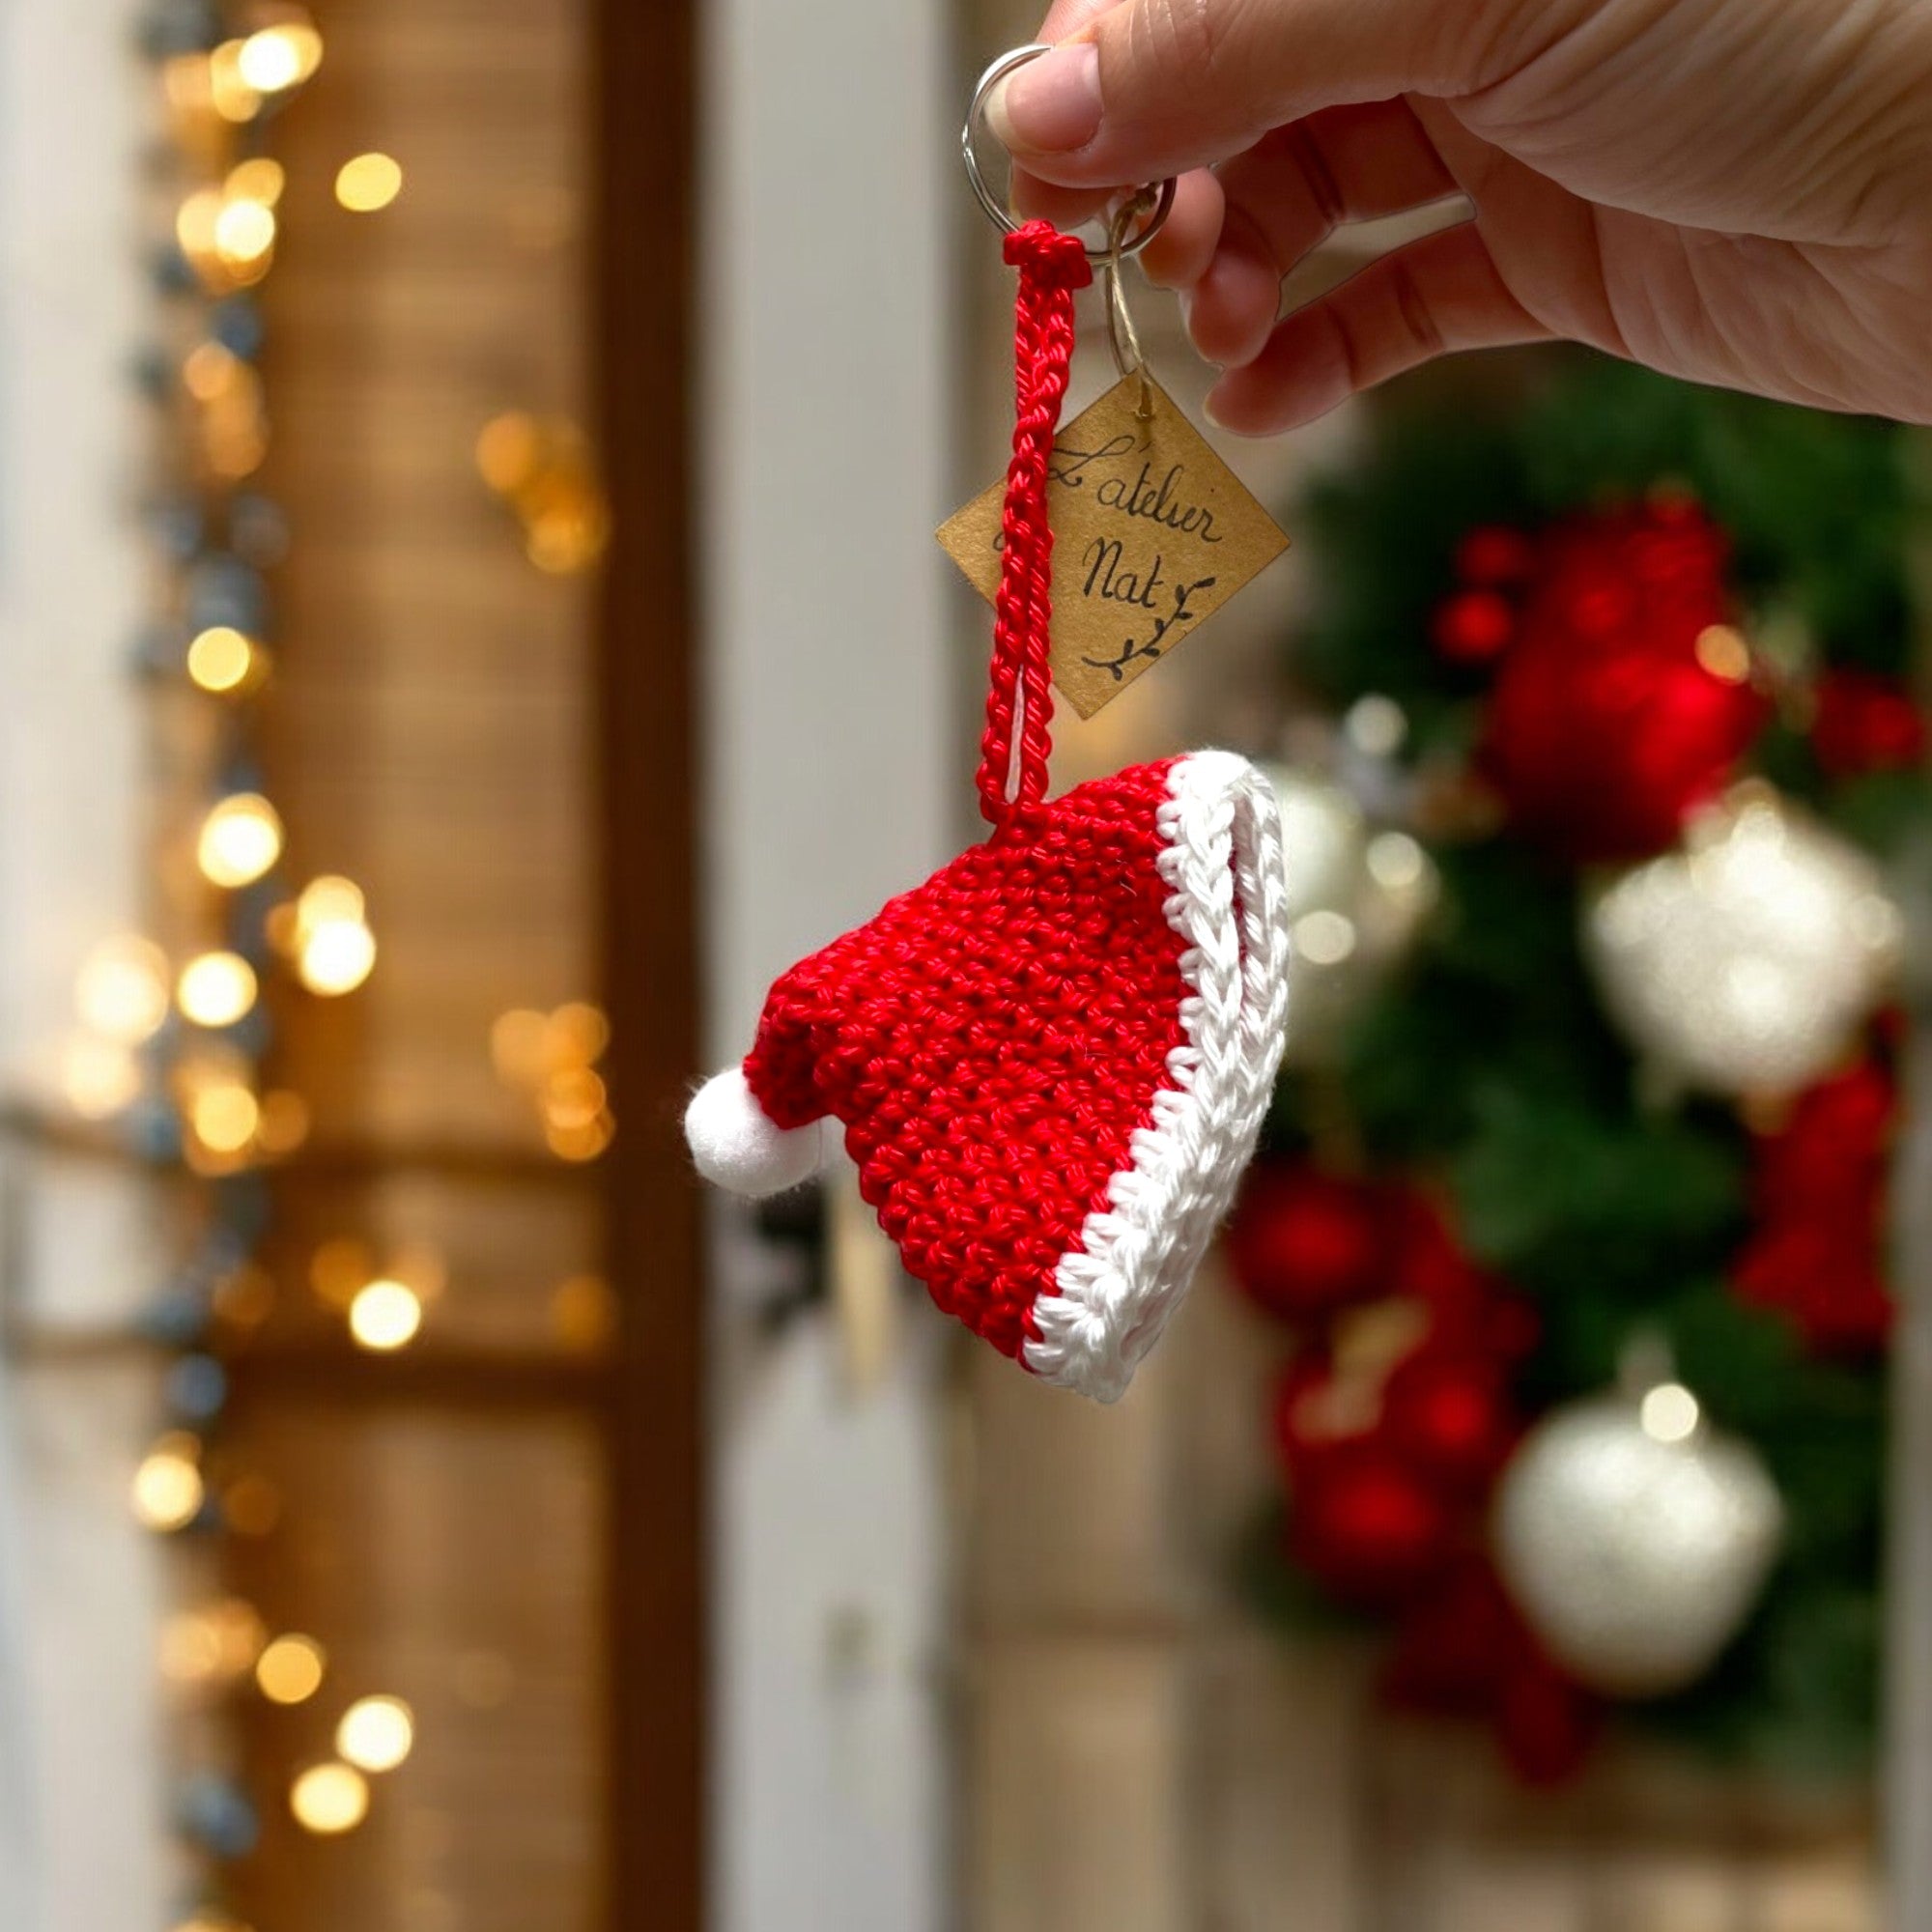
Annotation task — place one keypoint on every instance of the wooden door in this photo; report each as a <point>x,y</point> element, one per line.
<point>497,1522</point>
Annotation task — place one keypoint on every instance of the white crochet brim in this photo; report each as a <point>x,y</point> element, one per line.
<point>1114,1291</point>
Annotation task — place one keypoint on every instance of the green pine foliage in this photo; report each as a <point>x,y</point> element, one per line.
<point>1490,1064</point>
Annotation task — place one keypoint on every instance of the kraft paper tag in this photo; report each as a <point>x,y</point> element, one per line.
<point>1151,534</point>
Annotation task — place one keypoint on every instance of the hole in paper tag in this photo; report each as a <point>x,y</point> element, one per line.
<point>1151,534</point>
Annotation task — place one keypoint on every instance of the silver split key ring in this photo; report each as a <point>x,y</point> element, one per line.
<point>1160,201</point>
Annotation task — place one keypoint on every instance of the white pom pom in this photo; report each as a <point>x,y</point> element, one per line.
<point>736,1145</point>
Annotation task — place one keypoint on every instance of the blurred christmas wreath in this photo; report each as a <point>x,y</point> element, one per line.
<point>1575,1196</point>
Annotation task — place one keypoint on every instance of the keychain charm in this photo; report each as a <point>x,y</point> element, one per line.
<point>1050,1061</point>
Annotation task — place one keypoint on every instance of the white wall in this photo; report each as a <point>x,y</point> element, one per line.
<point>80,1778</point>
<point>827,194</point>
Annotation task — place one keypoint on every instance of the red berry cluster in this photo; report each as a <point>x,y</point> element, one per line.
<point>1392,1422</point>
<point>1622,699</point>
<point>1816,1253</point>
<point>1866,723</point>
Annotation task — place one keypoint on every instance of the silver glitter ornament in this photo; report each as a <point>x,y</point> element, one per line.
<point>1636,1538</point>
<point>1744,961</point>
<point>1355,898</point>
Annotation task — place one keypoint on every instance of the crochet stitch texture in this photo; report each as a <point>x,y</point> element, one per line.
<point>1052,1059</point>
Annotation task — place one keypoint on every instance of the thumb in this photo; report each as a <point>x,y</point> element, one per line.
<point>1151,88</point>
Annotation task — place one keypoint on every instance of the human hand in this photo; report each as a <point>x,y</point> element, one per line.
<point>1737,191</point>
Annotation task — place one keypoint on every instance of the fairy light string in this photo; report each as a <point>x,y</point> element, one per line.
<point>172,1053</point>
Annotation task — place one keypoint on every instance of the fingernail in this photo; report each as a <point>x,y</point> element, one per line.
<point>1051,106</point>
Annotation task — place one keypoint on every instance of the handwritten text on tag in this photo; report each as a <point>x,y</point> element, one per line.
<point>1152,533</point>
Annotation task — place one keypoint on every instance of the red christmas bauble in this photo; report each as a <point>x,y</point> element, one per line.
<point>1817,1254</point>
<point>1607,726</point>
<point>1545,1723</point>
<point>1367,1524</point>
<point>1494,553</point>
<point>1474,626</point>
<point>1866,722</point>
<point>1468,1306</point>
<point>1304,1244</point>
<point>1450,1413</point>
<point>1824,1277</point>
<point>1832,1151</point>
<point>1454,1646</point>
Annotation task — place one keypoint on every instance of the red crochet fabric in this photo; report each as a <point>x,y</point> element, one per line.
<point>1052,265</point>
<point>1051,1059</point>
<point>993,1039</point>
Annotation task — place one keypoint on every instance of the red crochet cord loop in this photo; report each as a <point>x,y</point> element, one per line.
<point>1052,265</point>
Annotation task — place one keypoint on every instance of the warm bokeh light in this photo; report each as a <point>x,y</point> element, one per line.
<point>217,1644</point>
<point>230,92</point>
<point>194,224</point>
<point>1324,937</point>
<point>167,1490</point>
<point>1669,1414</point>
<point>1723,652</point>
<point>385,1314</point>
<point>1375,725</point>
<point>235,430</point>
<point>507,450</point>
<point>334,948</point>
<point>245,231</point>
<point>368,182</point>
<point>1396,860</point>
<point>542,469</point>
<point>241,839</point>
<point>215,990</point>
<point>190,1649</point>
<point>553,1054</point>
<point>584,1141</point>
<point>220,658</point>
<point>290,1670</point>
<point>336,957</point>
<point>208,371</point>
<point>279,57</point>
<point>330,899</point>
<point>329,1799</point>
<point>260,178</point>
<point>569,536</point>
<point>573,1096</point>
<point>123,991</point>
<point>579,1032</point>
<point>185,83</point>
<point>339,1269</point>
<point>376,1733</point>
<point>224,1117</point>
<point>98,1077</point>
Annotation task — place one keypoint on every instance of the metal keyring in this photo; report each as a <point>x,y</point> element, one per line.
<point>997,210</point>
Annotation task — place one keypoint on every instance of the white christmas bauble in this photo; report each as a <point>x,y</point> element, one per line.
<point>1636,1538</point>
<point>1744,961</point>
<point>1355,899</point>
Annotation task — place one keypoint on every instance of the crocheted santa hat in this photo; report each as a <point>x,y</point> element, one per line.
<point>1051,1061</point>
